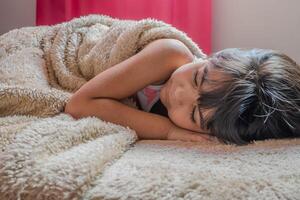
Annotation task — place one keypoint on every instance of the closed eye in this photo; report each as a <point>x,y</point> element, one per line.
<point>192,114</point>
<point>195,80</point>
<point>195,77</point>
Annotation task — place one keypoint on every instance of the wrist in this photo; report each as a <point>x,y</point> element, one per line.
<point>177,133</point>
<point>173,131</point>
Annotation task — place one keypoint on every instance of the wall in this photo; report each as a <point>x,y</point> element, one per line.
<point>16,14</point>
<point>273,24</point>
<point>266,24</point>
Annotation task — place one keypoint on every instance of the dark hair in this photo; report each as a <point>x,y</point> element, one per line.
<point>261,101</point>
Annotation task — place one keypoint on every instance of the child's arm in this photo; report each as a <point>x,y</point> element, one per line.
<point>146,125</point>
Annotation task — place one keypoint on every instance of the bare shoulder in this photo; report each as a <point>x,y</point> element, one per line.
<point>178,50</point>
<point>172,54</point>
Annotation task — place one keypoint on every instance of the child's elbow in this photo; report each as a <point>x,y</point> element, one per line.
<point>70,111</point>
<point>72,108</point>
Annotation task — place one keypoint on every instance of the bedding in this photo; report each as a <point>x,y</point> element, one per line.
<point>47,154</point>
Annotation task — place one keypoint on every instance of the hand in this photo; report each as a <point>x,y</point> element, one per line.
<point>177,133</point>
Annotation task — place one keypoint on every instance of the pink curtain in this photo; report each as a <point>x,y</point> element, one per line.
<point>190,16</point>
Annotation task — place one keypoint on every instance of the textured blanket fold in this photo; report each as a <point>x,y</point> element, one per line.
<point>45,153</point>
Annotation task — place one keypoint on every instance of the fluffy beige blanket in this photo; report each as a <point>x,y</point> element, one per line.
<point>46,154</point>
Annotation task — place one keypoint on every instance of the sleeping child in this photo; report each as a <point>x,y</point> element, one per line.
<point>234,96</point>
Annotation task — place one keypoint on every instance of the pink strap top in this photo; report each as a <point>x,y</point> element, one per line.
<point>148,96</point>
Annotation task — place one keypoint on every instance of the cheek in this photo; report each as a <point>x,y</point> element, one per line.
<point>179,118</point>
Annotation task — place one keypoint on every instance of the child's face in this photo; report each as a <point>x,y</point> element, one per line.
<point>180,93</point>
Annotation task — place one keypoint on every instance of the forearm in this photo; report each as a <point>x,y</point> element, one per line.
<point>177,133</point>
<point>146,125</point>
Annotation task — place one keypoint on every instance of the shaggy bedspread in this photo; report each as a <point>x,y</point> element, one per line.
<point>46,154</point>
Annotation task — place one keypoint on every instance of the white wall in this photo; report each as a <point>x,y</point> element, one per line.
<point>16,14</point>
<point>266,24</point>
